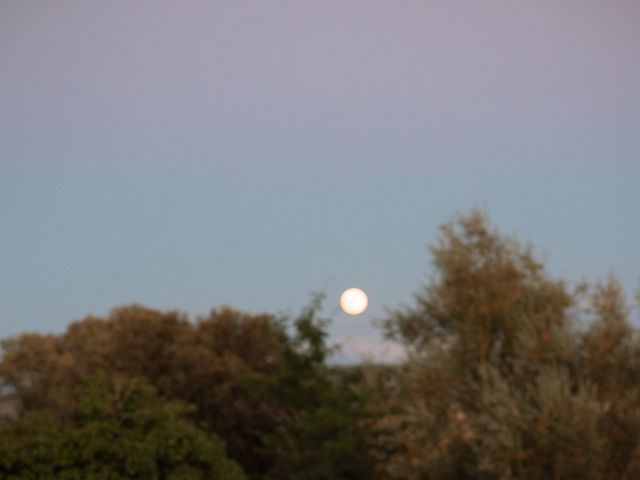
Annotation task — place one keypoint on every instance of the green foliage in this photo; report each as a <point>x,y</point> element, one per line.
<point>320,437</point>
<point>266,392</point>
<point>120,429</point>
<point>212,364</point>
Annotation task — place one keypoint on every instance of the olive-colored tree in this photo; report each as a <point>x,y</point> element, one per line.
<point>507,378</point>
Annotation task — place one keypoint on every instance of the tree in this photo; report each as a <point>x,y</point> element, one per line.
<point>320,437</point>
<point>119,429</point>
<point>211,364</point>
<point>501,383</point>
<point>260,385</point>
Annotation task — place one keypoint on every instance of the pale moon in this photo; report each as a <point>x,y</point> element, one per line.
<point>353,301</point>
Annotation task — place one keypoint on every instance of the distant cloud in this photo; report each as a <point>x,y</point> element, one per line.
<point>368,348</point>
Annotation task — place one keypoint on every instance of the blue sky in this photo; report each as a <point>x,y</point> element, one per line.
<point>192,154</point>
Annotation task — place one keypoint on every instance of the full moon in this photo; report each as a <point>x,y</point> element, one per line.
<point>353,301</point>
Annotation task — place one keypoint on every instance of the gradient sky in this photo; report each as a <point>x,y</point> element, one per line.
<point>188,154</point>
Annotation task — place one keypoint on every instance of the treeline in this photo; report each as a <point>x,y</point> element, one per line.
<point>509,374</point>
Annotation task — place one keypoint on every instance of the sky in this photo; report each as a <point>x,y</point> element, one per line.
<point>192,154</point>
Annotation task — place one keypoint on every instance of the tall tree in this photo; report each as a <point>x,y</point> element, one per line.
<point>501,383</point>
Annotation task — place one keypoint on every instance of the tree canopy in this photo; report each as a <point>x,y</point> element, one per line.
<point>119,428</point>
<point>259,382</point>
<point>510,373</point>
<point>507,377</point>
